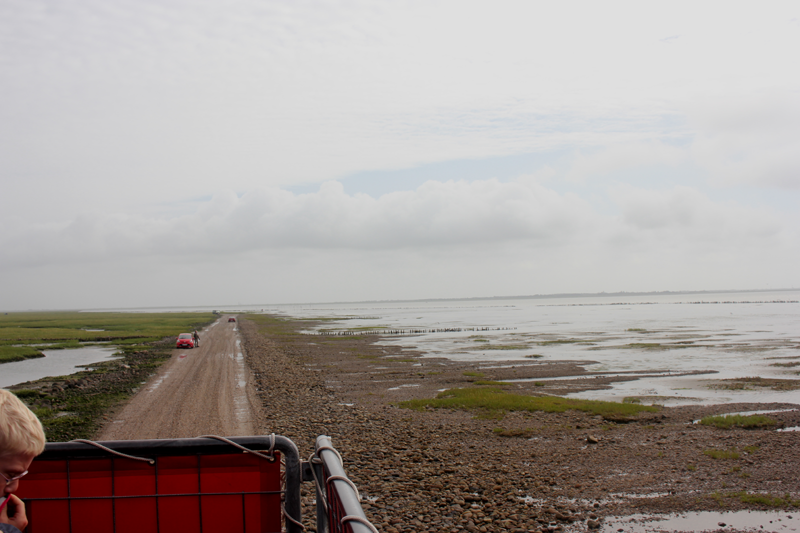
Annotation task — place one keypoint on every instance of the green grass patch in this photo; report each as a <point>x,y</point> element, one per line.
<point>722,454</point>
<point>27,394</point>
<point>766,500</point>
<point>741,421</point>
<point>505,347</point>
<point>10,354</point>
<point>560,341</point>
<point>631,399</point>
<point>751,449</point>
<point>639,330</point>
<point>524,433</point>
<point>499,401</point>
<point>489,414</point>
<point>287,330</point>
<point>485,382</point>
<point>691,468</point>
<point>139,341</point>
<point>61,345</point>
<point>651,346</point>
<point>787,365</point>
<point>474,374</point>
<point>534,356</point>
<point>756,382</point>
<point>717,497</point>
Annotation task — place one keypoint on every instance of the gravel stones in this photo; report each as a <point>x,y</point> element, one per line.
<point>448,471</point>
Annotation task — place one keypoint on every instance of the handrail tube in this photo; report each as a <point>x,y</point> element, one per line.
<point>347,495</point>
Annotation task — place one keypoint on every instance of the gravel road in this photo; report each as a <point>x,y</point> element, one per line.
<point>200,391</point>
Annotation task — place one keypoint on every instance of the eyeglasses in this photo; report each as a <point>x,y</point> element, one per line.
<point>13,479</point>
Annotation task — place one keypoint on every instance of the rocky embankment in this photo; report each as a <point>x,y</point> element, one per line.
<point>450,471</point>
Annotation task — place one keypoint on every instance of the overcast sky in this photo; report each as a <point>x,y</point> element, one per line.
<point>193,152</point>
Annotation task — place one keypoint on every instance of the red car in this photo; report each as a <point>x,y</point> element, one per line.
<point>185,340</point>
<point>231,319</point>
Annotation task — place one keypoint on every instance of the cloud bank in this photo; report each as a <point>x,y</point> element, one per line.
<point>147,145</point>
<point>437,215</point>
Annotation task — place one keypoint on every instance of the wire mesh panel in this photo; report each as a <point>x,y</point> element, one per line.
<point>342,512</point>
<point>187,489</point>
<point>335,508</point>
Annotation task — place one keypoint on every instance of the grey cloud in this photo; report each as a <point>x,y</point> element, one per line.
<point>436,214</point>
<point>687,215</point>
<point>751,140</point>
<point>616,157</point>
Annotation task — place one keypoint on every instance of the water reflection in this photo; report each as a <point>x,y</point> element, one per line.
<point>54,363</point>
<point>705,521</point>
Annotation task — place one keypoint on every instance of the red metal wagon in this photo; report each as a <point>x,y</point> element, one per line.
<point>206,484</point>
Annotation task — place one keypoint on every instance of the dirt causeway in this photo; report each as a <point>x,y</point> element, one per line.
<point>197,392</point>
<point>451,470</point>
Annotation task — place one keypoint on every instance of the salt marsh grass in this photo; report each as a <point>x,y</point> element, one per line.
<point>721,454</point>
<point>741,421</point>
<point>495,400</point>
<point>767,500</point>
<point>23,335</point>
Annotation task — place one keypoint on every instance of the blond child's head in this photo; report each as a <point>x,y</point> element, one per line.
<point>20,430</point>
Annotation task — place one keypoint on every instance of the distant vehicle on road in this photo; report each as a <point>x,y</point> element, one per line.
<point>185,340</point>
<point>231,319</point>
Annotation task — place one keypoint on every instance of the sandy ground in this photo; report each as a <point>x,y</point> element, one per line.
<point>200,391</point>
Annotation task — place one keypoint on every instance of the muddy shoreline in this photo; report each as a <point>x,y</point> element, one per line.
<point>78,405</point>
<point>449,471</point>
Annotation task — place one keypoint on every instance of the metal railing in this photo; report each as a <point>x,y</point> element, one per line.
<point>338,501</point>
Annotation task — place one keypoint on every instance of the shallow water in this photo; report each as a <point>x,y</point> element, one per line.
<point>54,363</point>
<point>731,335</point>
<point>761,521</point>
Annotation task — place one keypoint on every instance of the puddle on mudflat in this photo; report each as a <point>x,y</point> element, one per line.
<point>54,363</point>
<point>750,413</point>
<point>404,386</point>
<point>653,374</point>
<point>639,496</point>
<point>762,521</point>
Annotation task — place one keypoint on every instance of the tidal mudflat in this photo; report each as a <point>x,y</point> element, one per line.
<point>666,349</point>
<point>444,444</point>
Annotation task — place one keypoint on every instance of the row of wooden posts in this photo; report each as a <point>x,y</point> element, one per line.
<point>412,331</point>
